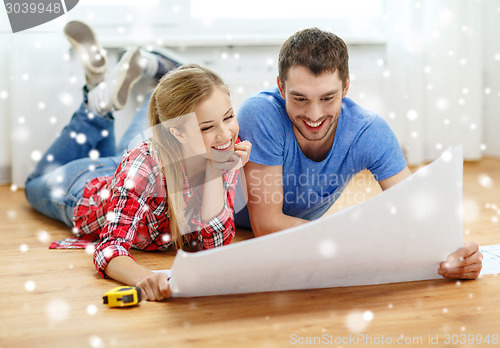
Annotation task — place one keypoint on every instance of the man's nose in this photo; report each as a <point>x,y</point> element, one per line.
<point>315,112</point>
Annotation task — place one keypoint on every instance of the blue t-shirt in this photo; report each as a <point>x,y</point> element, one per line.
<point>363,140</point>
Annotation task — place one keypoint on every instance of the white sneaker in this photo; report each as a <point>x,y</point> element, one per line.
<point>112,94</point>
<point>127,72</point>
<point>90,53</point>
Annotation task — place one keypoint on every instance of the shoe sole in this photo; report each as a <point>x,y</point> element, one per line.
<point>83,39</point>
<point>127,77</point>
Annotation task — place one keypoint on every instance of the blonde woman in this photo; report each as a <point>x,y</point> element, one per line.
<point>175,188</point>
<point>182,180</point>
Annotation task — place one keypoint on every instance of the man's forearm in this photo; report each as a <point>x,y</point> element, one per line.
<point>278,222</point>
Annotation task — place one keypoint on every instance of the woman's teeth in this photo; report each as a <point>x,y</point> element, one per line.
<point>314,124</point>
<point>223,146</point>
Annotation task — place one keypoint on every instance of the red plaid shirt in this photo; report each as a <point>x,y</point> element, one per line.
<point>129,210</point>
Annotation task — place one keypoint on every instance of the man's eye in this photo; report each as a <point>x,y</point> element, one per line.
<point>327,98</point>
<point>300,99</point>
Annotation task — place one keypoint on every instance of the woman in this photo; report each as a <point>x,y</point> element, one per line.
<point>174,188</point>
<point>182,181</point>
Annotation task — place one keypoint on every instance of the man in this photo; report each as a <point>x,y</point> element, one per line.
<point>309,140</point>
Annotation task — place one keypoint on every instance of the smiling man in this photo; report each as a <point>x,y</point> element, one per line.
<point>309,141</point>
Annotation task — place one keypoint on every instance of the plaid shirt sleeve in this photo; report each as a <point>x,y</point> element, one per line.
<point>220,230</point>
<point>136,181</point>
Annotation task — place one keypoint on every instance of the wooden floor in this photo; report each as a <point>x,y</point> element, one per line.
<point>53,298</point>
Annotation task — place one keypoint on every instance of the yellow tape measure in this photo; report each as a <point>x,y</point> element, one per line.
<point>122,296</point>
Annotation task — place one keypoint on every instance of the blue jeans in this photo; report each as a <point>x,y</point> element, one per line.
<point>58,180</point>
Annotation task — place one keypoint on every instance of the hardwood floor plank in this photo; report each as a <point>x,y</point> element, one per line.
<point>53,298</point>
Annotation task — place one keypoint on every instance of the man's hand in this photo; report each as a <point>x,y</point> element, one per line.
<point>155,287</point>
<point>465,263</point>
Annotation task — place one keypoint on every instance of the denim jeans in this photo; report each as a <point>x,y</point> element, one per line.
<point>58,180</point>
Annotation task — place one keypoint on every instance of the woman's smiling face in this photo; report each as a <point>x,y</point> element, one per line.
<point>215,129</point>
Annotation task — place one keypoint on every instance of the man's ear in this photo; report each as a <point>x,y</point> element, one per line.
<point>281,87</point>
<point>178,135</point>
<point>346,87</point>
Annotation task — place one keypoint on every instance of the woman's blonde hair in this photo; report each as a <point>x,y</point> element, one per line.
<point>177,94</point>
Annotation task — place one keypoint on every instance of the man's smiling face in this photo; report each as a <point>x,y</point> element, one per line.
<point>313,102</point>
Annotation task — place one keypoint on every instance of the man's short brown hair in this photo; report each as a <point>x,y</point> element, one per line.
<point>317,50</point>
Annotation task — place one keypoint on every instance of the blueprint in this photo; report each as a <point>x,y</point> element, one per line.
<point>491,260</point>
<point>402,234</point>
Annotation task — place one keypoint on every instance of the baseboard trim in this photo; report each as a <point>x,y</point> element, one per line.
<point>5,175</point>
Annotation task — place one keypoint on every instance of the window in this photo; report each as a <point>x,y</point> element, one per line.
<point>229,22</point>
<point>129,13</point>
<point>259,9</point>
<point>272,21</point>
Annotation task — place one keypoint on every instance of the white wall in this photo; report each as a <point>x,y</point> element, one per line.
<point>43,79</point>
<point>491,76</point>
<point>5,144</point>
<point>56,77</point>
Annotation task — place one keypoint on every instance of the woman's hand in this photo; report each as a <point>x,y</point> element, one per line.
<point>465,263</point>
<point>154,287</point>
<point>236,160</point>
<point>242,150</point>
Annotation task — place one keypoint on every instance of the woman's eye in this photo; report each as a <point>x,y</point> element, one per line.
<point>229,117</point>
<point>206,129</point>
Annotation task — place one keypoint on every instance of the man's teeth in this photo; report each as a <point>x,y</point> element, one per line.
<point>314,124</point>
<point>223,146</point>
